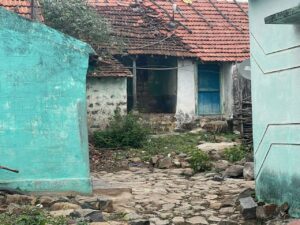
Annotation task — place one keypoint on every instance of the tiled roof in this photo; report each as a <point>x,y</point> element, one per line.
<point>212,30</point>
<point>110,68</point>
<point>22,7</point>
<point>141,33</point>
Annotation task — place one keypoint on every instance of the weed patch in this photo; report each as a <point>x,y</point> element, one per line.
<point>123,132</point>
<point>31,216</point>
<point>235,154</point>
<point>200,161</point>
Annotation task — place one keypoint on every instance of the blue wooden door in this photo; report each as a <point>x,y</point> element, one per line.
<point>209,89</point>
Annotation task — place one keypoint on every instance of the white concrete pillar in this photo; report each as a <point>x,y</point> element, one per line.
<point>186,89</point>
<point>227,89</point>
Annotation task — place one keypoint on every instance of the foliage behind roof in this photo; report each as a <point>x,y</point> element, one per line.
<point>110,67</point>
<point>208,29</point>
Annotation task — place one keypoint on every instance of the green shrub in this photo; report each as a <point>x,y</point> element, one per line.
<point>123,132</point>
<point>234,154</point>
<point>200,161</point>
<point>31,216</point>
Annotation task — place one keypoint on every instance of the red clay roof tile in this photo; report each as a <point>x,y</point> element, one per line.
<point>211,30</point>
<point>22,7</point>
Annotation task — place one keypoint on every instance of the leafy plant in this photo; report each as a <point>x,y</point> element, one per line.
<point>235,153</point>
<point>31,216</point>
<point>78,19</point>
<point>200,161</point>
<point>123,132</point>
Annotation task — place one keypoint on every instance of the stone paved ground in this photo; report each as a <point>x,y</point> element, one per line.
<point>168,197</point>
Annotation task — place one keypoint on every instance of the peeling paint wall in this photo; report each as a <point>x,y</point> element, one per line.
<point>43,130</point>
<point>186,91</point>
<point>227,103</point>
<point>275,70</point>
<point>104,96</point>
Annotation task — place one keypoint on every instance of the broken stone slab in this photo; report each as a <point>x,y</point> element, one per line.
<point>235,171</point>
<point>96,203</point>
<point>139,222</point>
<point>103,188</point>
<point>132,216</point>
<point>248,192</point>
<point>218,147</point>
<point>81,213</point>
<point>248,208</point>
<point>248,171</point>
<point>158,221</point>
<point>220,165</point>
<point>197,220</point>
<point>227,222</point>
<point>178,221</point>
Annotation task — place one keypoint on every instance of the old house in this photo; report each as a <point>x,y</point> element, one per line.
<point>181,55</point>
<point>106,92</point>
<point>275,69</point>
<point>43,131</point>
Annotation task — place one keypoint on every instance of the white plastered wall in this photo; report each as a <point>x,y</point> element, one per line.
<point>186,90</point>
<point>227,101</point>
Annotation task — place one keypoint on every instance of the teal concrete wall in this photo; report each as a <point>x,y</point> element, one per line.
<point>43,131</point>
<point>275,67</point>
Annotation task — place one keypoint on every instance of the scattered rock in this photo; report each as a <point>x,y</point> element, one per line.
<point>248,208</point>
<point>135,160</point>
<point>64,206</point>
<point>182,155</point>
<point>176,162</point>
<point>266,211</point>
<point>218,178</point>
<point>47,201</point>
<point>165,163</point>
<point>221,165</point>
<point>64,213</point>
<point>21,199</point>
<point>234,171</point>
<point>96,203</point>
<point>185,164</point>
<point>217,126</point>
<point>187,172</point>
<point>95,216</point>
<point>248,171</point>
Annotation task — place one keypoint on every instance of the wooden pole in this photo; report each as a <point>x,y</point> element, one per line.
<point>134,85</point>
<point>33,17</point>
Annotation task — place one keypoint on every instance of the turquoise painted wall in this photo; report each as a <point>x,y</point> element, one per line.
<point>275,67</point>
<point>43,129</point>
